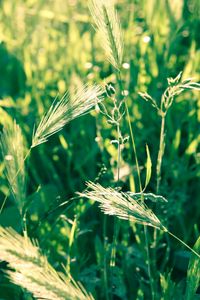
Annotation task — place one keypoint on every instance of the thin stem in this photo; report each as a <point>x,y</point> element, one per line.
<point>105,239</point>
<point>140,188</point>
<point>160,153</point>
<point>116,222</point>
<point>131,133</point>
<point>148,262</point>
<point>118,153</point>
<point>182,242</point>
<point>71,239</point>
<point>114,244</point>
<point>105,276</point>
<point>158,168</point>
<point>4,202</point>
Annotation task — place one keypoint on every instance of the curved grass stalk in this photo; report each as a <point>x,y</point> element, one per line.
<point>60,113</point>
<point>175,87</point>
<point>122,206</point>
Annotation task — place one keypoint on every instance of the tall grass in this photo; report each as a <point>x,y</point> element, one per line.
<point>111,255</point>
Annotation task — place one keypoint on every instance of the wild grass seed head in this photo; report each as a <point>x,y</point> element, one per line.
<point>68,108</point>
<point>121,205</point>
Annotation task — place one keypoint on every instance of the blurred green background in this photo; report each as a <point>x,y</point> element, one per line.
<point>48,47</point>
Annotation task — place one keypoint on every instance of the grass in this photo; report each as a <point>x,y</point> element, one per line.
<point>100,143</point>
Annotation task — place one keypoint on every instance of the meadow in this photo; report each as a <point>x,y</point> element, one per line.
<point>99,150</point>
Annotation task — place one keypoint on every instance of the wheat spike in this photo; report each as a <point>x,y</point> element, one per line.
<point>108,26</point>
<point>121,205</point>
<point>12,147</point>
<point>63,111</point>
<point>32,271</point>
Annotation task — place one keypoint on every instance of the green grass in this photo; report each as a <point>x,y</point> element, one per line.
<point>124,148</point>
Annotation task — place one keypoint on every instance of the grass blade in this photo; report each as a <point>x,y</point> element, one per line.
<point>148,168</point>
<point>193,274</point>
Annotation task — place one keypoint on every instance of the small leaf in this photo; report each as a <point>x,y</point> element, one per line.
<point>192,148</point>
<point>148,167</point>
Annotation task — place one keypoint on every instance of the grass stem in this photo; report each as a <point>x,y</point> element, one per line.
<point>105,275</point>
<point>183,243</point>
<point>160,154</point>
<point>151,279</point>
<point>116,221</point>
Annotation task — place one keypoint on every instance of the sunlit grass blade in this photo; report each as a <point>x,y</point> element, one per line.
<point>12,147</point>
<point>121,205</point>
<point>148,168</point>
<point>193,274</point>
<point>109,29</point>
<point>63,111</point>
<point>31,270</point>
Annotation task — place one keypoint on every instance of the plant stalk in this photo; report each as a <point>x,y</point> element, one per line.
<point>183,243</point>
<point>116,222</point>
<point>105,276</point>
<point>160,153</point>
<point>140,188</point>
